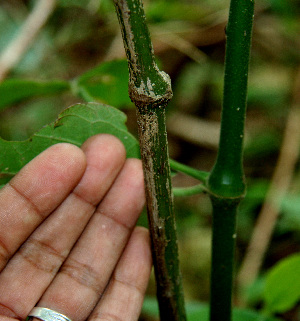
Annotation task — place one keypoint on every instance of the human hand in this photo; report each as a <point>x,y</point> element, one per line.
<point>67,235</point>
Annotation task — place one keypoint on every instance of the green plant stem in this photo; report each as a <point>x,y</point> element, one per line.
<point>226,182</point>
<point>150,90</point>
<point>223,244</point>
<point>200,175</point>
<point>227,177</point>
<point>160,212</point>
<point>189,191</point>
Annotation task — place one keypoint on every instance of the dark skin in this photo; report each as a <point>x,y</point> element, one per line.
<point>68,240</point>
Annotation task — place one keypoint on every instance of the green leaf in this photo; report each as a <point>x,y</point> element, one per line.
<point>15,90</point>
<point>70,3</point>
<point>290,218</point>
<point>150,306</point>
<point>254,292</point>
<point>74,125</point>
<point>282,290</point>
<point>107,83</point>
<point>202,314</point>
<point>200,311</point>
<point>159,11</point>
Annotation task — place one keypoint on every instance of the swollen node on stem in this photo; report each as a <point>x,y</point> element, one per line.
<point>227,177</point>
<point>226,184</point>
<point>150,90</point>
<point>147,84</point>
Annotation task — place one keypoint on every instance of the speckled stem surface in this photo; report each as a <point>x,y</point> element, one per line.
<point>150,90</point>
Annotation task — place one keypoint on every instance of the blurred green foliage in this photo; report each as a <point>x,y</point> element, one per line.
<point>71,62</point>
<point>282,288</point>
<point>199,311</point>
<point>13,91</point>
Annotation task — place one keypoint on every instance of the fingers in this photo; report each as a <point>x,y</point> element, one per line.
<point>35,192</point>
<point>124,295</point>
<point>68,260</point>
<point>34,266</point>
<point>82,279</point>
<point>106,156</point>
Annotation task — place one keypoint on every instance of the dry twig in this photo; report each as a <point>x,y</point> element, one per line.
<point>280,183</point>
<point>194,130</point>
<point>22,42</point>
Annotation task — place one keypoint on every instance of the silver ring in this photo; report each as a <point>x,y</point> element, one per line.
<point>45,314</point>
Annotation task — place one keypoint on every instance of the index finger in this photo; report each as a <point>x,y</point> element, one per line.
<point>35,192</point>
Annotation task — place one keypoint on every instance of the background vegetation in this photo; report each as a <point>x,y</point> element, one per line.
<point>189,41</point>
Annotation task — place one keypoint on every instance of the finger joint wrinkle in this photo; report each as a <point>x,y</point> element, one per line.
<point>28,200</point>
<point>82,274</point>
<point>42,256</point>
<point>7,312</point>
<point>4,254</point>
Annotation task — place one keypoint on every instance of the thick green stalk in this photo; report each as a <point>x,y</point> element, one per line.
<point>226,182</point>
<point>227,177</point>
<point>150,90</point>
<point>223,244</point>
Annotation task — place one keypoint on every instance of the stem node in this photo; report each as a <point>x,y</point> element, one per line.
<point>146,95</point>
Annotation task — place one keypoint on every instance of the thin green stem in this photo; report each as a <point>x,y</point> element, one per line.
<point>223,244</point>
<point>226,182</point>
<point>150,90</point>
<point>200,175</point>
<point>189,191</point>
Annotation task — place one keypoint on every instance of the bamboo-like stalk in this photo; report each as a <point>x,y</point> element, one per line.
<point>226,182</point>
<point>150,90</point>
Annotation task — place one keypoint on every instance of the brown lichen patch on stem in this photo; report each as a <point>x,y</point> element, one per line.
<point>127,33</point>
<point>148,129</point>
<point>150,138</point>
